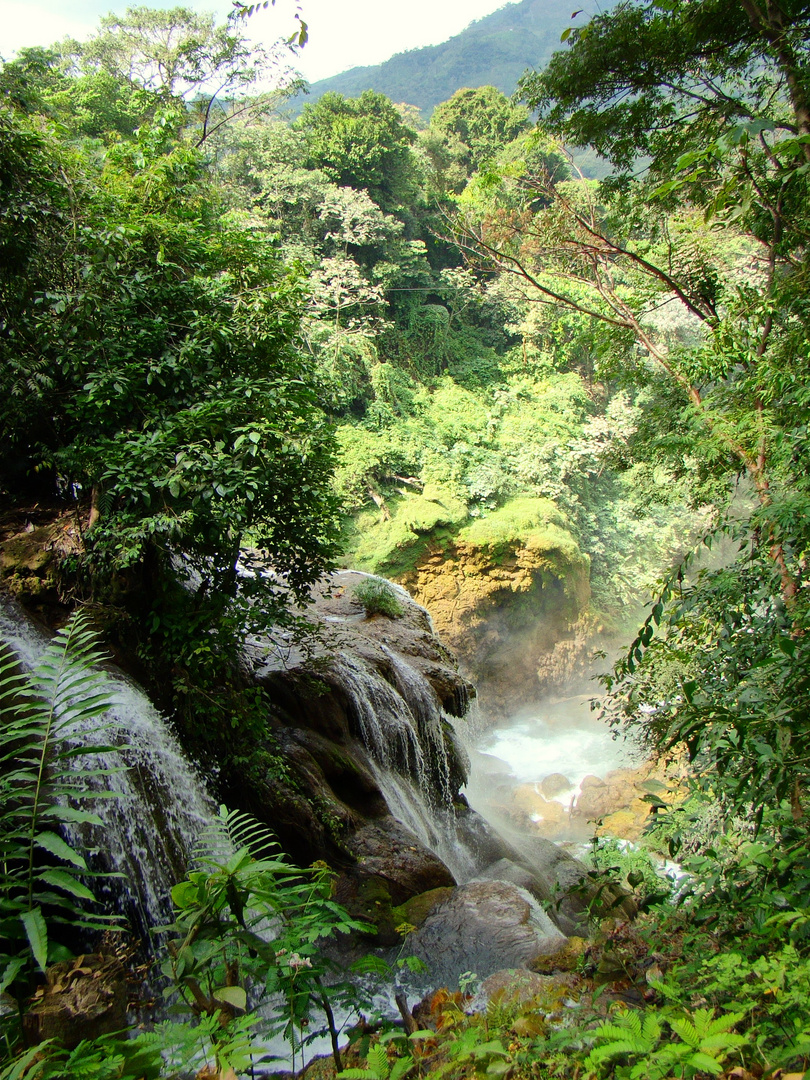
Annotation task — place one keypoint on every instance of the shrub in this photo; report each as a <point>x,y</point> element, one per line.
<point>378,597</point>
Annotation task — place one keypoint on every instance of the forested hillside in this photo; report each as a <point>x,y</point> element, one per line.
<point>238,351</point>
<point>493,51</point>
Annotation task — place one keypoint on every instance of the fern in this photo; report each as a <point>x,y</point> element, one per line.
<point>704,1042</point>
<point>44,774</point>
<point>232,831</point>
<point>628,1035</point>
<point>706,1032</point>
<point>378,1067</point>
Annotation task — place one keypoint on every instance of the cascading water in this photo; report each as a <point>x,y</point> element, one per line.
<point>429,723</point>
<point>159,806</point>
<point>385,725</point>
<point>547,749</point>
<point>405,731</point>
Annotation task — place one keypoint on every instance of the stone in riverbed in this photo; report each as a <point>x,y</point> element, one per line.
<point>516,986</point>
<point>388,850</point>
<point>482,927</point>
<point>555,784</point>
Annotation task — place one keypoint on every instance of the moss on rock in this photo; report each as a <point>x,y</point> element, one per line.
<point>393,547</point>
<point>416,910</point>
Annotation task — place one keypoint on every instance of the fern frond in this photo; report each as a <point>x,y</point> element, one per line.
<point>44,716</point>
<point>378,1059</point>
<point>651,1029</point>
<point>400,1068</point>
<point>233,831</point>
<point>614,1049</point>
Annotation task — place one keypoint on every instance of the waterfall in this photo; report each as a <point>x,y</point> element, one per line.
<point>407,734</point>
<point>385,724</point>
<point>429,721</point>
<point>160,804</point>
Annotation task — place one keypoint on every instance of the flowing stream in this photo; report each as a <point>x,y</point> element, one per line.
<point>415,750</point>
<point>548,748</point>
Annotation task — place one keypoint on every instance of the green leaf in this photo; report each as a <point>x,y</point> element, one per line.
<point>705,1063</point>
<point>400,1067</point>
<point>10,972</point>
<point>63,879</point>
<point>37,933</point>
<point>70,813</point>
<point>29,1065</point>
<point>378,1059</point>
<point>57,846</point>
<point>232,995</point>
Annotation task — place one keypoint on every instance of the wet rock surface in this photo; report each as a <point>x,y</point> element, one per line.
<point>512,616</point>
<point>482,927</point>
<point>367,705</point>
<point>80,999</point>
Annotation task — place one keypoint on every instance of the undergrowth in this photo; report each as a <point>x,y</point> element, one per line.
<point>713,980</point>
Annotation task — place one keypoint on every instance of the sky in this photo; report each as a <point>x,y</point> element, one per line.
<point>342,33</point>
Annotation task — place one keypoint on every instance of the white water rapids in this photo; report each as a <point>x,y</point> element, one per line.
<point>550,748</point>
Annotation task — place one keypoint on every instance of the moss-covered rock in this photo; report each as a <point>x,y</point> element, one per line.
<point>504,591</point>
<point>395,545</point>
<point>33,542</point>
<point>414,911</point>
<point>567,959</point>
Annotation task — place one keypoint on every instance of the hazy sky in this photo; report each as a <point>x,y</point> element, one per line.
<point>342,33</point>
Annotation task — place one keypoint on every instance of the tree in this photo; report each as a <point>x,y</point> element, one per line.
<point>712,226</point>
<point>659,78</point>
<point>178,54</point>
<point>360,143</point>
<point>618,256</point>
<point>96,104</point>
<point>480,122</point>
<point>150,357</point>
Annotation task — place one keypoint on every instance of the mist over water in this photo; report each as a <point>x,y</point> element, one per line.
<point>557,737</point>
<point>539,757</point>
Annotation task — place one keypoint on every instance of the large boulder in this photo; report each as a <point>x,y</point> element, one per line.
<point>484,926</point>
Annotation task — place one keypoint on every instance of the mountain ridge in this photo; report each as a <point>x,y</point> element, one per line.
<point>492,51</point>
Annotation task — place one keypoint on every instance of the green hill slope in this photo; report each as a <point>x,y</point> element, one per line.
<point>494,51</point>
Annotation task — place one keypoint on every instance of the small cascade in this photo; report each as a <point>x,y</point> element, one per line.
<point>436,827</point>
<point>160,805</point>
<point>407,735</point>
<point>385,723</point>
<point>428,718</point>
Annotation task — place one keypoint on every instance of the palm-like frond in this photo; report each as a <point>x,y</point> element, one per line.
<point>232,831</point>
<point>45,765</point>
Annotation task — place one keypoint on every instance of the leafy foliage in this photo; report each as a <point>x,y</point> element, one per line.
<point>45,769</point>
<point>360,143</point>
<point>250,925</point>
<point>151,369</point>
<point>482,121</point>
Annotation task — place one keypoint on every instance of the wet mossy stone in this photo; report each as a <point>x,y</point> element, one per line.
<point>567,959</point>
<point>416,910</point>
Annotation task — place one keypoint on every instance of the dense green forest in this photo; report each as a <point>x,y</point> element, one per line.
<point>398,343</point>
